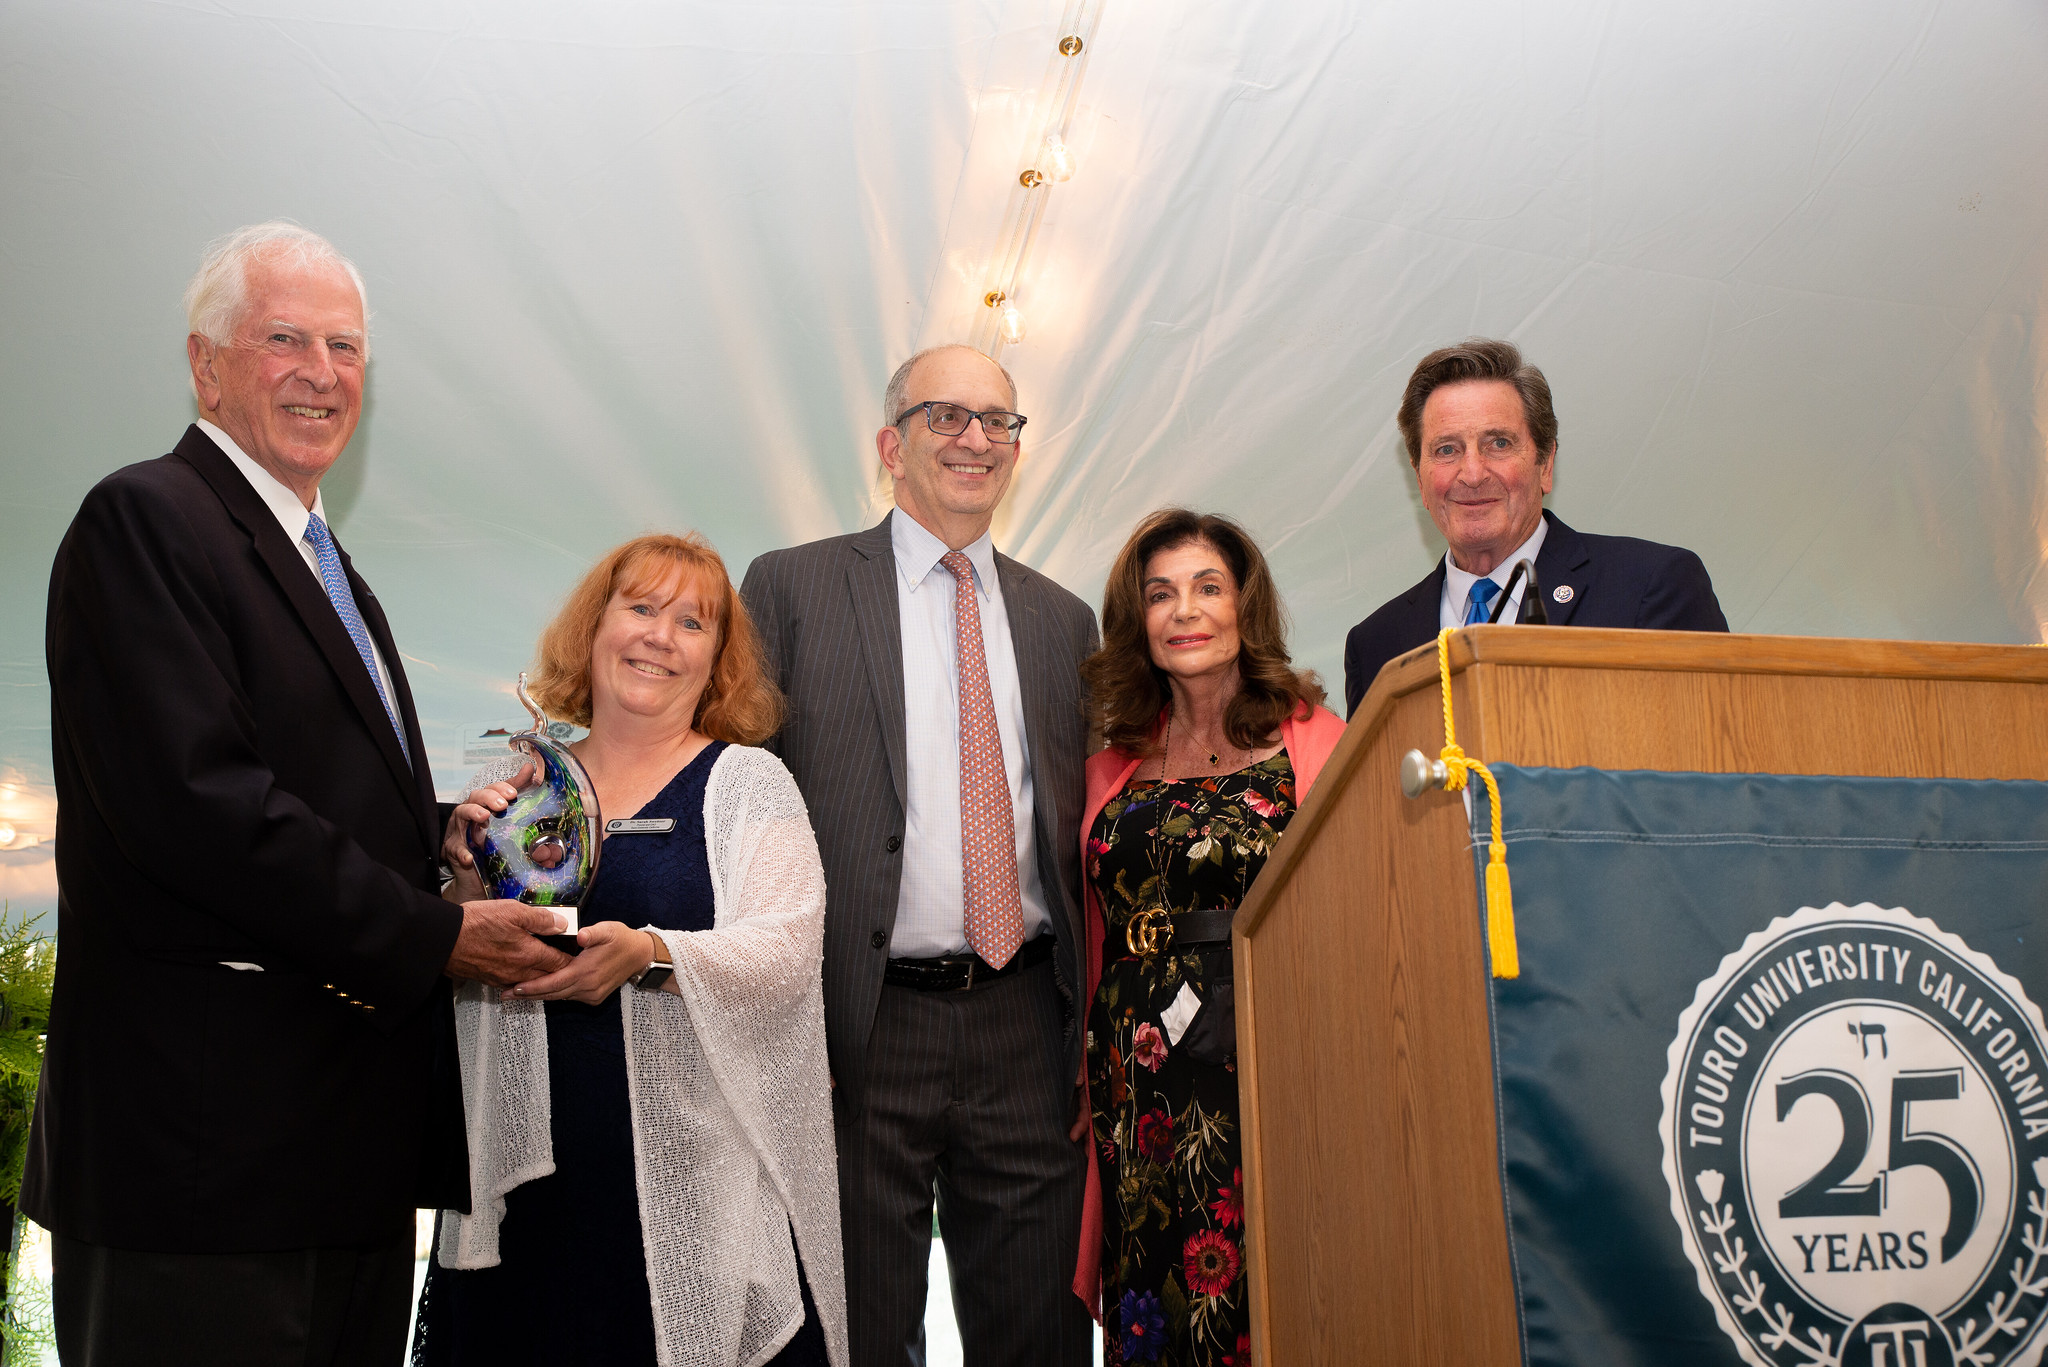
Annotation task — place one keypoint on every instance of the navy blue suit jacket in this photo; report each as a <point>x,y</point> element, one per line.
<point>1615,581</point>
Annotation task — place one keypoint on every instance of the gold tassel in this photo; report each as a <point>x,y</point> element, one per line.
<point>1500,900</point>
<point>1500,915</point>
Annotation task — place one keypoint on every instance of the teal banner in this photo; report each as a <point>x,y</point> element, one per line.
<point>1774,1078</point>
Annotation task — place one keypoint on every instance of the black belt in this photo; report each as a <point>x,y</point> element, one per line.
<point>1203,927</point>
<point>958,972</point>
<point>1151,931</point>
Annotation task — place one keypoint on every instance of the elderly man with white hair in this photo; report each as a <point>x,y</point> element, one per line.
<point>249,1084</point>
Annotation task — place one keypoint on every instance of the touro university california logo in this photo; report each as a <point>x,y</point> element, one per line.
<point>1855,1133</point>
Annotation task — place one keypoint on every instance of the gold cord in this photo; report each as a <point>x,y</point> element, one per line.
<point>1500,901</point>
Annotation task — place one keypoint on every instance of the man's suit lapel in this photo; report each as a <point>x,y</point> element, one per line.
<point>1422,612</point>
<point>1563,562</point>
<point>1029,643</point>
<point>307,598</point>
<point>1033,641</point>
<point>380,632</point>
<point>871,582</point>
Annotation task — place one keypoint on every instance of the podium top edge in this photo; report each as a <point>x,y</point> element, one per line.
<point>1707,652</point>
<point>1610,649</point>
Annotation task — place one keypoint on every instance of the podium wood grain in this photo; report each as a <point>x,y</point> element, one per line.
<point>1376,1228</point>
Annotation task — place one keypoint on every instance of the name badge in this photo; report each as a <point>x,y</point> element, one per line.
<point>640,825</point>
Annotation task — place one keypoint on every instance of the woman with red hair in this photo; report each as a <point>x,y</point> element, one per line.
<point>651,1161</point>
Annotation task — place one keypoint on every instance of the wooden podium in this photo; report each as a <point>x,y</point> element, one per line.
<point>1372,1165</point>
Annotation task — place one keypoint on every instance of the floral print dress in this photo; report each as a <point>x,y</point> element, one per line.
<point>1166,1123</point>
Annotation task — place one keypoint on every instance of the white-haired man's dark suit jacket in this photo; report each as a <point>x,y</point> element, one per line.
<point>828,617</point>
<point>230,791</point>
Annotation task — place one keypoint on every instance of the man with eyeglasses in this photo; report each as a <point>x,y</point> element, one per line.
<point>936,729</point>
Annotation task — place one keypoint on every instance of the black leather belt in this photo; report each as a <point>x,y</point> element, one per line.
<point>958,972</point>
<point>1203,927</point>
<point>1152,930</point>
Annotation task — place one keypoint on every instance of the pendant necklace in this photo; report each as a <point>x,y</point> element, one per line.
<point>1166,757</point>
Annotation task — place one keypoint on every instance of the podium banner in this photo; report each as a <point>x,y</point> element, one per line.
<point>1774,1078</point>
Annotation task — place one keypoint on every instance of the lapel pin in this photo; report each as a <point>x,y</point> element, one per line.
<point>1562,593</point>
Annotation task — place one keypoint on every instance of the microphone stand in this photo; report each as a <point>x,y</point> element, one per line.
<point>1532,597</point>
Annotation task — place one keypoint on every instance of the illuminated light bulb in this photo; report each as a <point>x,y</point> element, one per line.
<point>1010,322</point>
<point>7,833</point>
<point>1059,159</point>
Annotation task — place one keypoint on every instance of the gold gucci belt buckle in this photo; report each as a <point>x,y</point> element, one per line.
<point>1150,931</point>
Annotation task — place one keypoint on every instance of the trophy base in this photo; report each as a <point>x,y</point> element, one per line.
<point>566,941</point>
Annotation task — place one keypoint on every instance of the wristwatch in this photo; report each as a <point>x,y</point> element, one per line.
<point>655,976</point>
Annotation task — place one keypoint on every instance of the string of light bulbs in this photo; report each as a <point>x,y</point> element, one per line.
<point>1047,160</point>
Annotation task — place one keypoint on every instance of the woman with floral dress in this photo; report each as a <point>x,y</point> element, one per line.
<point>1212,741</point>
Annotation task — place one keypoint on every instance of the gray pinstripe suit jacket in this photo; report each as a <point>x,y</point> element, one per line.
<point>828,619</point>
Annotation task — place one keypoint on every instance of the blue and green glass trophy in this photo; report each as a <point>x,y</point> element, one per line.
<point>542,849</point>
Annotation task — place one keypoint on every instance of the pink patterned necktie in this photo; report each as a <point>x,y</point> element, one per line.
<point>988,823</point>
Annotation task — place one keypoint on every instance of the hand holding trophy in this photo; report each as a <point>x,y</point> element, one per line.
<point>533,838</point>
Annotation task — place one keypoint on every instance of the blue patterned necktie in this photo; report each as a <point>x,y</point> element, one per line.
<point>1481,594</point>
<point>335,581</point>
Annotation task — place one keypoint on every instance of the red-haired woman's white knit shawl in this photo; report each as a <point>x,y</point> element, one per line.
<point>731,1100</point>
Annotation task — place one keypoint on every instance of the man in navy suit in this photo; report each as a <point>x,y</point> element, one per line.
<point>1482,437</point>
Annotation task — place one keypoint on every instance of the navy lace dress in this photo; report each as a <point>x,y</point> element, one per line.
<point>571,1283</point>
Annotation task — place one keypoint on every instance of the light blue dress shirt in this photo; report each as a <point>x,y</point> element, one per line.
<point>291,515</point>
<point>1458,583</point>
<point>930,905</point>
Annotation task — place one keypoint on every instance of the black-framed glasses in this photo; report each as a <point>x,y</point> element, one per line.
<point>950,420</point>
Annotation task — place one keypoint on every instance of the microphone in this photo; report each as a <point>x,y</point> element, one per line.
<point>1532,596</point>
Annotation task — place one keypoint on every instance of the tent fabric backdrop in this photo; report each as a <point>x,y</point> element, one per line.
<point>647,265</point>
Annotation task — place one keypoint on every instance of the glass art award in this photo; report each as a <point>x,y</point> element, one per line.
<point>542,849</point>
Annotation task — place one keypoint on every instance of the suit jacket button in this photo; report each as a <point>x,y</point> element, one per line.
<point>893,843</point>
<point>878,939</point>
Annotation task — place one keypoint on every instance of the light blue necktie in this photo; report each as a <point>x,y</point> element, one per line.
<point>1481,594</point>
<point>335,582</point>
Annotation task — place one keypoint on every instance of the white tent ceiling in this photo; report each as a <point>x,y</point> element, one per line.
<point>639,265</point>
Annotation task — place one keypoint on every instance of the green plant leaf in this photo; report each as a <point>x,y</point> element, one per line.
<point>28,969</point>
<point>21,1053</point>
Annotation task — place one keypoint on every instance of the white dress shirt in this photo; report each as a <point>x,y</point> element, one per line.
<point>293,517</point>
<point>930,904</point>
<point>1458,583</point>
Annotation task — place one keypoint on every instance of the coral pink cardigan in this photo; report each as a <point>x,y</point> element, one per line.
<point>1308,737</point>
